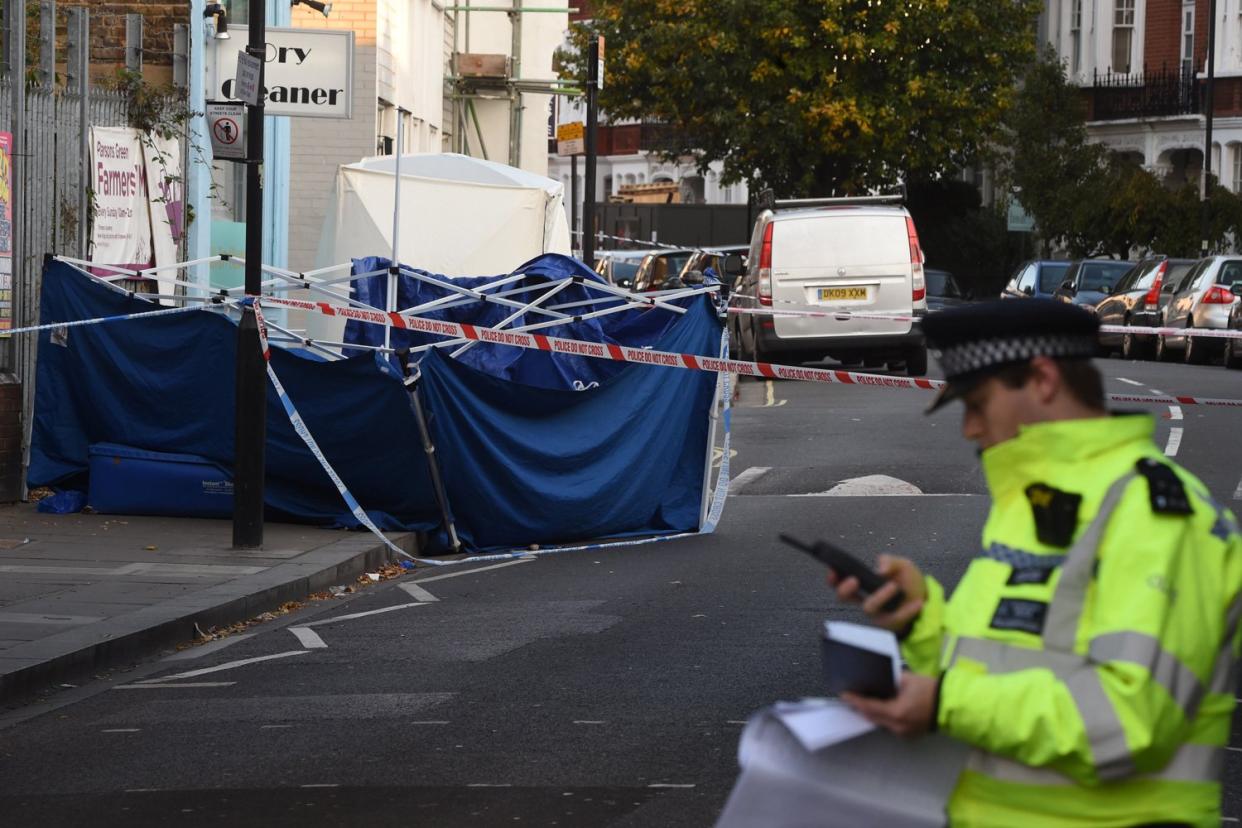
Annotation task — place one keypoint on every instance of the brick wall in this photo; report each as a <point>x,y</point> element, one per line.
<point>108,34</point>
<point>1162,41</point>
<point>10,440</point>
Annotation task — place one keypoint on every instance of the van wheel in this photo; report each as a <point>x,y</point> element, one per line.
<point>916,361</point>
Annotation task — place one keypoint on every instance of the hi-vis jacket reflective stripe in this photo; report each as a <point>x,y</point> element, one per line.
<point>1095,682</point>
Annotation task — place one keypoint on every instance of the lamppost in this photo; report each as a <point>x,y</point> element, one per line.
<point>1205,217</point>
<point>250,432</point>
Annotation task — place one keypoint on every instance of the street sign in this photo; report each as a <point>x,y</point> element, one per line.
<point>249,74</point>
<point>600,69</point>
<point>1018,220</point>
<point>571,138</point>
<point>227,124</point>
<point>308,73</point>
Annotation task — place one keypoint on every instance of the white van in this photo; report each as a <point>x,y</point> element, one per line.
<point>856,254</point>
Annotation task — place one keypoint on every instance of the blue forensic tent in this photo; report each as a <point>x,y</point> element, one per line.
<point>525,458</point>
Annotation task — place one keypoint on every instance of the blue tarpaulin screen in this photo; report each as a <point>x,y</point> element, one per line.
<point>525,458</point>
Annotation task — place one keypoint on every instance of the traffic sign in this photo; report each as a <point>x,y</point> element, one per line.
<point>227,124</point>
<point>571,138</point>
<point>249,78</point>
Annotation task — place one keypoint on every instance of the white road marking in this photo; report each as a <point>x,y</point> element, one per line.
<point>1235,749</point>
<point>1228,819</point>
<point>228,665</point>
<point>354,615</point>
<point>444,722</point>
<point>1128,381</point>
<point>749,476</point>
<point>208,648</point>
<point>1175,412</point>
<point>459,573</point>
<point>588,721</point>
<point>1175,442</point>
<point>736,721</point>
<point>1157,392</point>
<point>1237,493</point>
<point>274,727</point>
<point>178,685</point>
<point>321,785</point>
<point>489,785</point>
<point>417,593</point>
<point>122,730</point>
<point>308,638</point>
<point>667,785</point>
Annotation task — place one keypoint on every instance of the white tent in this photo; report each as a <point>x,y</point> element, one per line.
<point>460,216</point>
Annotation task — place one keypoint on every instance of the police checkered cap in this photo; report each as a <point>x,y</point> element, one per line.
<point>979,355</point>
<point>976,340</point>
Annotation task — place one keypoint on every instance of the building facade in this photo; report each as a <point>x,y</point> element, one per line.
<point>1142,67</point>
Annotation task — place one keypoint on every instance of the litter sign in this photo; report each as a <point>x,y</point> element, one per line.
<point>227,124</point>
<point>570,138</point>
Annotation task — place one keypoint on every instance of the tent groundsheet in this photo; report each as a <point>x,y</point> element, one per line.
<point>526,459</point>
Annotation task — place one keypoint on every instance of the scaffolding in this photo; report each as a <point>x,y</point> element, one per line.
<point>475,77</point>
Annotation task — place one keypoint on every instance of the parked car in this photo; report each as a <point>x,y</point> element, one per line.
<point>857,255</point>
<point>712,257</point>
<point>1233,347</point>
<point>619,266</point>
<point>1036,279</point>
<point>1088,281</point>
<point>658,268</point>
<point>1203,298</point>
<point>1136,301</point>
<point>943,290</point>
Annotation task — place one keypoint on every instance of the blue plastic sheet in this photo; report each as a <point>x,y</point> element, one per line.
<point>525,459</point>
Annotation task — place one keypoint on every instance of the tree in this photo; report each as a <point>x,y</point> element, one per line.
<point>813,97</point>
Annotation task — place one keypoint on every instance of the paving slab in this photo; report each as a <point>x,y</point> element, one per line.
<point>82,593</point>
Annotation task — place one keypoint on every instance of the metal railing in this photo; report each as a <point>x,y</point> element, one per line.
<point>1147,94</point>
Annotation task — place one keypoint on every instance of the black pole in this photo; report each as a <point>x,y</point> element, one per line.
<point>251,413</point>
<point>588,201</point>
<point>1207,135</point>
<point>573,203</point>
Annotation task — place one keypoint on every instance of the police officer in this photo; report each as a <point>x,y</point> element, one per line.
<point>1088,653</point>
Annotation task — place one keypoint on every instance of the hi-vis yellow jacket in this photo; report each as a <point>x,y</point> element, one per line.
<point>1088,653</point>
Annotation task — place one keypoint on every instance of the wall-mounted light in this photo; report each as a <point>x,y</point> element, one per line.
<point>323,8</point>
<point>221,17</point>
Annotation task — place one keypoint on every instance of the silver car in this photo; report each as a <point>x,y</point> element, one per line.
<point>1200,299</point>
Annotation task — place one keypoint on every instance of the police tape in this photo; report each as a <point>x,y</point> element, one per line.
<point>299,426</point>
<point>845,316</point>
<point>99,320</point>
<point>710,522</point>
<point>667,359</point>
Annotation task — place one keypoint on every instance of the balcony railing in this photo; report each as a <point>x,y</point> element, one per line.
<point>1147,94</point>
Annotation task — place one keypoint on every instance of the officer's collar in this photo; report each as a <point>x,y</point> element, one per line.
<point>1042,447</point>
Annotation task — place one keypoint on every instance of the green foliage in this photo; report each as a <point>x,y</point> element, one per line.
<point>958,234</point>
<point>813,97</point>
<point>154,110</point>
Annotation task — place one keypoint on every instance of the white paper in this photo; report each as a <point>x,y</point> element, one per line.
<point>818,723</point>
<point>874,779</point>
<point>875,639</point>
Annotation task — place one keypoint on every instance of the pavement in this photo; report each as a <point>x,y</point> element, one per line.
<point>86,592</point>
<point>601,688</point>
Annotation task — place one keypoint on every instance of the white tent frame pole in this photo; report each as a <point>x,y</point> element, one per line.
<point>476,295</point>
<point>394,275</point>
<point>713,416</point>
<point>533,327</point>
<point>601,287</point>
<point>545,296</point>
<point>306,342</point>
<point>440,304</point>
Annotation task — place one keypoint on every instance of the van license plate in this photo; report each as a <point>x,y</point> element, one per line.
<point>836,294</point>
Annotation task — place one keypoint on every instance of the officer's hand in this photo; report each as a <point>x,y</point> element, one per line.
<point>901,574</point>
<point>910,713</point>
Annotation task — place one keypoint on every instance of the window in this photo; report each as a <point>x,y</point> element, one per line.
<point>1027,278</point>
<point>1123,35</point>
<point>1188,37</point>
<point>1075,36</point>
<point>1237,168</point>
